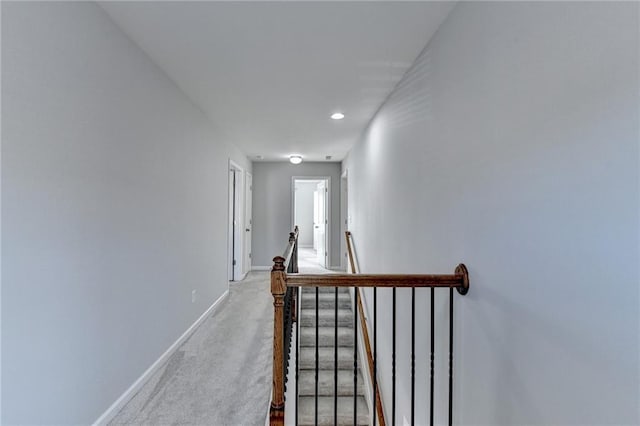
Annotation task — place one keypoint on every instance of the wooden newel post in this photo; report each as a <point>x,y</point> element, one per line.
<point>278,290</point>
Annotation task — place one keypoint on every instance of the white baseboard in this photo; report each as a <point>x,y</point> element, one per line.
<point>261,268</point>
<point>267,420</point>
<point>337,268</point>
<point>115,408</point>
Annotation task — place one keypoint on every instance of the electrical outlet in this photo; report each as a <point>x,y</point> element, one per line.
<point>193,296</point>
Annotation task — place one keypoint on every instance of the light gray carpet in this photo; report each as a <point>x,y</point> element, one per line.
<point>308,262</point>
<point>222,374</point>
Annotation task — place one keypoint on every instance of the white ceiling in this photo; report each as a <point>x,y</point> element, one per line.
<point>269,74</point>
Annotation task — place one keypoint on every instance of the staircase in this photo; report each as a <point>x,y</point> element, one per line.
<point>326,360</point>
<point>326,336</point>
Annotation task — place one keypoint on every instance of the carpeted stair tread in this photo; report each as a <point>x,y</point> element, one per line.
<point>325,336</point>
<point>306,415</point>
<point>326,357</point>
<point>326,383</point>
<point>326,290</point>
<point>325,300</point>
<point>326,318</point>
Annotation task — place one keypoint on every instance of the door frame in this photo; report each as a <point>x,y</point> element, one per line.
<point>327,207</point>
<point>235,246</point>
<point>344,218</point>
<point>246,248</point>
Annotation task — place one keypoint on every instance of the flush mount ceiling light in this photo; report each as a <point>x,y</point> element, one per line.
<point>337,116</point>
<point>295,159</point>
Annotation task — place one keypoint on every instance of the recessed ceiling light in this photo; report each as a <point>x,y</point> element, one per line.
<point>295,159</point>
<point>337,116</point>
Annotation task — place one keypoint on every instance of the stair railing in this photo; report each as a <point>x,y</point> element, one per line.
<point>284,279</point>
<point>284,315</point>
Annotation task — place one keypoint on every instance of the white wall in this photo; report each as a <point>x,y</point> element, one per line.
<point>272,207</point>
<point>304,211</point>
<point>512,145</point>
<point>114,192</point>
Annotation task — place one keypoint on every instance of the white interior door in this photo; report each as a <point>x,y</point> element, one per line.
<point>344,216</point>
<point>235,224</point>
<point>232,179</point>
<point>248,222</point>
<point>321,224</point>
<point>315,220</point>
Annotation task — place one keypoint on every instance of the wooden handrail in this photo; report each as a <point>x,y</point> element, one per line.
<point>365,334</point>
<point>352,262</point>
<point>290,250</point>
<point>458,280</point>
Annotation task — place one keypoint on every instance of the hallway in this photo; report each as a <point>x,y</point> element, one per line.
<point>150,152</point>
<point>308,262</point>
<point>222,374</point>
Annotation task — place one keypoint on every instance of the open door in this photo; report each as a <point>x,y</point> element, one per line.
<point>344,220</point>
<point>310,212</point>
<point>320,226</point>
<point>235,253</point>
<point>248,222</point>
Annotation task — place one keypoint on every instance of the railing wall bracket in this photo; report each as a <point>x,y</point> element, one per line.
<point>462,270</point>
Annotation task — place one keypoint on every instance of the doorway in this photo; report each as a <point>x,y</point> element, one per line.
<point>248,222</point>
<point>344,220</point>
<point>311,213</point>
<point>236,222</point>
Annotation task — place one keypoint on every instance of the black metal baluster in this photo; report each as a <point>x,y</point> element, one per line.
<point>450,356</point>
<point>288,332</point>
<point>375,351</point>
<point>433,340</point>
<point>355,357</point>
<point>393,364</point>
<point>297,350</point>
<point>335,364</point>
<point>317,338</point>
<point>413,354</point>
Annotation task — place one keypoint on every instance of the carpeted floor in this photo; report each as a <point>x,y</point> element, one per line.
<point>222,374</point>
<point>308,262</point>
